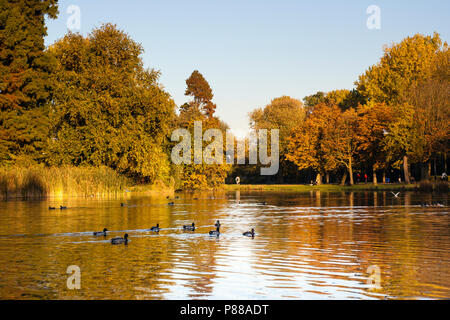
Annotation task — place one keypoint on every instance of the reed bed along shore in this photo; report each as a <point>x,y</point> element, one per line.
<point>40,181</point>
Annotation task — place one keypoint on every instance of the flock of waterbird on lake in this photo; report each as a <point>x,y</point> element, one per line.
<point>216,232</point>
<point>188,227</point>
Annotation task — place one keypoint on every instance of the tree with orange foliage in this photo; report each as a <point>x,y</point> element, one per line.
<point>373,126</point>
<point>199,89</point>
<point>407,74</point>
<point>341,143</point>
<point>204,175</point>
<point>306,147</point>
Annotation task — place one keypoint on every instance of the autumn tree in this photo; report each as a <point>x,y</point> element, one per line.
<point>304,149</point>
<point>340,141</point>
<point>200,176</point>
<point>402,65</point>
<point>343,98</point>
<point>404,141</point>
<point>108,109</point>
<point>404,70</point>
<point>205,176</point>
<point>25,78</point>
<point>431,100</point>
<point>199,89</point>
<point>313,100</point>
<point>308,141</point>
<point>374,120</point>
<point>283,113</point>
<point>337,97</point>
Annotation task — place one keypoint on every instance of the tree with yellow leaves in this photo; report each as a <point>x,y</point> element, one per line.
<point>207,174</point>
<point>402,65</point>
<point>404,141</point>
<point>107,109</point>
<point>412,77</point>
<point>431,100</point>
<point>283,113</point>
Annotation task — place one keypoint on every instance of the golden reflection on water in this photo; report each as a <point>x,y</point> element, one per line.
<point>312,245</point>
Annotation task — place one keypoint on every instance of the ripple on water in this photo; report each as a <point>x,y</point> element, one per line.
<point>317,246</point>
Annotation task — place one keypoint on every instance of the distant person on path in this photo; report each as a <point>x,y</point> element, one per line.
<point>444,176</point>
<point>238,180</point>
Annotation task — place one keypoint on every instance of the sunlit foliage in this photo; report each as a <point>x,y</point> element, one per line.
<point>107,109</point>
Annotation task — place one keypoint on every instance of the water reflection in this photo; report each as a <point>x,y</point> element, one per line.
<point>307,245</point>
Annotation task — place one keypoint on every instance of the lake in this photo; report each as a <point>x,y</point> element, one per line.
<point>314,245</point>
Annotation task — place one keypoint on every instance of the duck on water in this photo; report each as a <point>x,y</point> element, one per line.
<point>101,233</point>
<point>120,240</point>
<point>155,228</point>
<point>189,227</point>
<point>249,233</point>
<point>215,232</point>
<point>54,208</point>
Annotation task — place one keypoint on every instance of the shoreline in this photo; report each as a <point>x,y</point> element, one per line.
<point>323,187</point>
<point>159,191</point>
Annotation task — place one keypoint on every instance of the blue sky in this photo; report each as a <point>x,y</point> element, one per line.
<point>252,51</point>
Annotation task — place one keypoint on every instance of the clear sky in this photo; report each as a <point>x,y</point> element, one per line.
<point>251,51</point>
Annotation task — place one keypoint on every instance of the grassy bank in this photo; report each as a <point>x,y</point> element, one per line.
<point>40,181</point>
<point>324,187</point>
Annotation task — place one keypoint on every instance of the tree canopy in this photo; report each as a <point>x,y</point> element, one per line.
<point>199,89</point>
<point>398,114</point>
<point>89,101</point>
<point>402,65</point>
<point>283,113</point>
<point>25,78</point>
<point>109,110</point>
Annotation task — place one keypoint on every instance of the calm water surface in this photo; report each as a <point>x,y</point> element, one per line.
<point>308,246</point>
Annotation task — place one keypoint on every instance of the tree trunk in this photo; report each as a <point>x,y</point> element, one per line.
<point>429,170</point>
<point>350,171</point>
<point>319,179</point>
<point>375,181</point>
<point>425,171</point>
<point>406,170</point>
<point>445,162</point>
<point>435,170</point>
<point>344,178</point>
